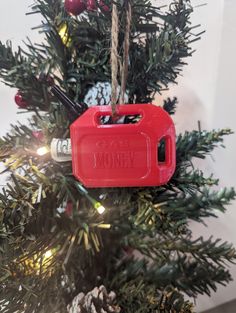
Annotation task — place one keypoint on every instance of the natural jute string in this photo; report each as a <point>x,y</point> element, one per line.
<point>125,65</point>
<point>115,58</point>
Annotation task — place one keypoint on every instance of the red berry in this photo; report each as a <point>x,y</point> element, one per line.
<point>91,5</point>
<point>38,134</point>
<point>103,6</point>
<point>75,7</point>
<point>20,101</point>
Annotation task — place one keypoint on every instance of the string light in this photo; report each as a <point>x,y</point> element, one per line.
<point>42,151</point>
<point>96,204</point>
<point>100,208</point>
<point>48,254</point>
<point>37,264</point>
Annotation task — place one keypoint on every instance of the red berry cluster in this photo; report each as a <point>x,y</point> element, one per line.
<point>76,7</point>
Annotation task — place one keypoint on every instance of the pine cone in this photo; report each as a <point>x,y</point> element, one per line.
<point>95,301</point>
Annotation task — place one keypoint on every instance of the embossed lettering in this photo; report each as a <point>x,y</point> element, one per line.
<point>115,144</point>
<point>112,160</point>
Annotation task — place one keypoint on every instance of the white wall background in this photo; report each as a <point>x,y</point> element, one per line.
<point>205,92</point>
<point>14,26</point>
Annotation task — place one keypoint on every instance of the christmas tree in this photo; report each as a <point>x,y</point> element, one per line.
<point>65,247</point>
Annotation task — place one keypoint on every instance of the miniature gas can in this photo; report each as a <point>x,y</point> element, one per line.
<point>123,155</point>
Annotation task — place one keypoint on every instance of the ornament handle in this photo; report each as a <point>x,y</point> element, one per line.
<point>168,150</point>
<point>166,168</point>
<point>124,110</point>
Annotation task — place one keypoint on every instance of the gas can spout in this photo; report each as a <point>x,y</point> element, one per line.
<point>61,150</point>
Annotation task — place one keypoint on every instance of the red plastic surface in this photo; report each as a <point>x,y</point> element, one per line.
<point>123,155</point>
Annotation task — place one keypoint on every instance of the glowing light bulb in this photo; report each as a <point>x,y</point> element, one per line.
<point>48,254</point>
<point>96,204</point>
<point>42,151</point>
<point>100,208</point>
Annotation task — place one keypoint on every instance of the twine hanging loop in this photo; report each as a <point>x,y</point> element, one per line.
<point>115,58</point>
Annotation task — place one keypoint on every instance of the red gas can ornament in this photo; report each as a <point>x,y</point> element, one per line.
<point>123,155</point>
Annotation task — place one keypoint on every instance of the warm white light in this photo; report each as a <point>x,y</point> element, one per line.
<point>48,254</point>
<point>101,209</point>
<point>42,151</point>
